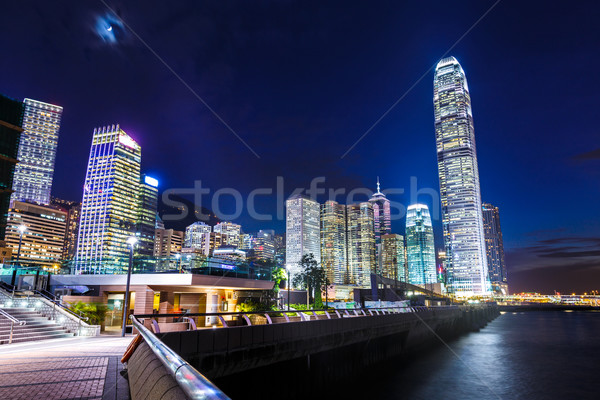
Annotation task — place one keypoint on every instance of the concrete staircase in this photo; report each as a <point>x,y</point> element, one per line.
<point>36,328</point>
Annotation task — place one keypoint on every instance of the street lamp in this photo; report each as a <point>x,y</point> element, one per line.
<point>131,242</point>
<point>289,284</point>
<point>21,229</point>
<point>178,258</point>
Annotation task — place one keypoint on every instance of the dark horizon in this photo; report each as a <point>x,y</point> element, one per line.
<point>300,83</point>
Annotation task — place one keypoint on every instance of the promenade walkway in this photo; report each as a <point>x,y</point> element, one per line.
<point>73,368</point>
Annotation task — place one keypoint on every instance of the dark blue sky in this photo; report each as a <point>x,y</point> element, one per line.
<point>300,82</point>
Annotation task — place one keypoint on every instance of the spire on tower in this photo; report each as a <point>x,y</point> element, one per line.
<point>378,191</point>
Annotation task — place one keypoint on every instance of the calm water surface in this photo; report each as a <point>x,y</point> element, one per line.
<point>526,355</point>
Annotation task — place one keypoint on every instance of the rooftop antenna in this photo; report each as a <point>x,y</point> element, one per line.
<point>378,185</point>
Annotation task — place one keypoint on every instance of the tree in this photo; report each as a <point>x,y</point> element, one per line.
<point>312,277</point>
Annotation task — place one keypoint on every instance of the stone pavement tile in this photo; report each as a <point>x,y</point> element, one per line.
<point>75,369</point>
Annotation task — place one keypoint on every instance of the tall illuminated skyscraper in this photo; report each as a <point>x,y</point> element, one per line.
<point>462,219</point>
<point>146,225</point>
<point>393,257</point>
<point>333,242</point>
<point>383,222</point>
<point>37,152</point>
<point>11,118</point>
<point>494,245</point>
<point>302,231</point>
<point>420,249</point>
<point>360,234</point>
<point>109,210</point>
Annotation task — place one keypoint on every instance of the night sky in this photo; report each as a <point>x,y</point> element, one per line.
<point>300,82</point>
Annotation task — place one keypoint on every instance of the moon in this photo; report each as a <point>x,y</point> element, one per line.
<point>109,28</point>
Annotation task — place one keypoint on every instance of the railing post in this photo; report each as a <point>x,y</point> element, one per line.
<point>12,325</point>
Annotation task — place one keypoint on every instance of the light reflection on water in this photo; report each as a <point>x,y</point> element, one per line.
<point>526,355</point>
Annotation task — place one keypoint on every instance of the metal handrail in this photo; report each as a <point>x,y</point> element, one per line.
<point>193,383</point>
<point>13,321</point>
<point>22,292</point>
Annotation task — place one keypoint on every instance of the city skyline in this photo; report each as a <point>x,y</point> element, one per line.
<point>534,251</point>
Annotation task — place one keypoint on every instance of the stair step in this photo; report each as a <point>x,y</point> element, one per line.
<point>36,338</point>
<point>29,330</point>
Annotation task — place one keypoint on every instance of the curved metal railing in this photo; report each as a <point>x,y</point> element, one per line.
<point>193,383</point>
<point>300,315</point>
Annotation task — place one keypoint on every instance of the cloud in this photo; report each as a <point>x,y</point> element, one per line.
<point>590,155</point>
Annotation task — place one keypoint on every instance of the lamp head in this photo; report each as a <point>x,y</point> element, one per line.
<point>22,229</point>
<point>132,241</point>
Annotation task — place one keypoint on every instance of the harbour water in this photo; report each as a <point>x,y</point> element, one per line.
<point>524,355</point>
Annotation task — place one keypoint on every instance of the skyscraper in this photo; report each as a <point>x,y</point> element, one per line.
<point>146,224</point>
<point>494,245</point>
<point>333,242</point>
<point>420,249</point>
<point>459,181</point>
<point>264,246</point>
<point>11,119</point>
<point>43,239</point>
<point>167,242</point>
<point>194,235</point>
<point>232,231</point>
<point>360,234</point>
<point>393,257</point>
<point>73,210</point>
<point>302,231</point>
<point>109,210</point>
<point>37,152</point>
<point>382,219</point>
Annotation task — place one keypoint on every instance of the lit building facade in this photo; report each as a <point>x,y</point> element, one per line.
<point>420,249</point>
<point>460,195</point>
<point>383,222</point>
<point>233,232</point>
<point>44,235</point>
<point>37,152</point>
<point>494,246</point>
<point>11,119</point>
<point>146,225</point>
<point>73,210</point>
<point>246,241</point>
<point>167,242</point>
<point>393,257</point>
<point>333,242</point>
<point>194,235</point>
<point>360,233</point>
<point>302,231</point>
<point>264,246</point>
<point>109,210</point>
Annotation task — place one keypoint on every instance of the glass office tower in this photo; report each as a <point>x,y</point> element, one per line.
<point>420,247</point>
<point>494,245</point>
<point>109,210</point>
<point>333,242</point>
<point>11,118</point>
<point>459,181</point>
<point>37,152</point>
<point>360,232</point>
<point>302,231</point>
<point>383,222</point>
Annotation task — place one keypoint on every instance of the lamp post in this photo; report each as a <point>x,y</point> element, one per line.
<point>178,257</point>
<point>21,229</point>
<point>289,284</point>
<point>131,242</point>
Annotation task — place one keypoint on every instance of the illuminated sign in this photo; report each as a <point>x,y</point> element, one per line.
<point>151,181</point>
<point>127,141</point>
<point>225,266</point>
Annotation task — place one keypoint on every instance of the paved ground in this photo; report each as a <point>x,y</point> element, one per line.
<point>73,368</point>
